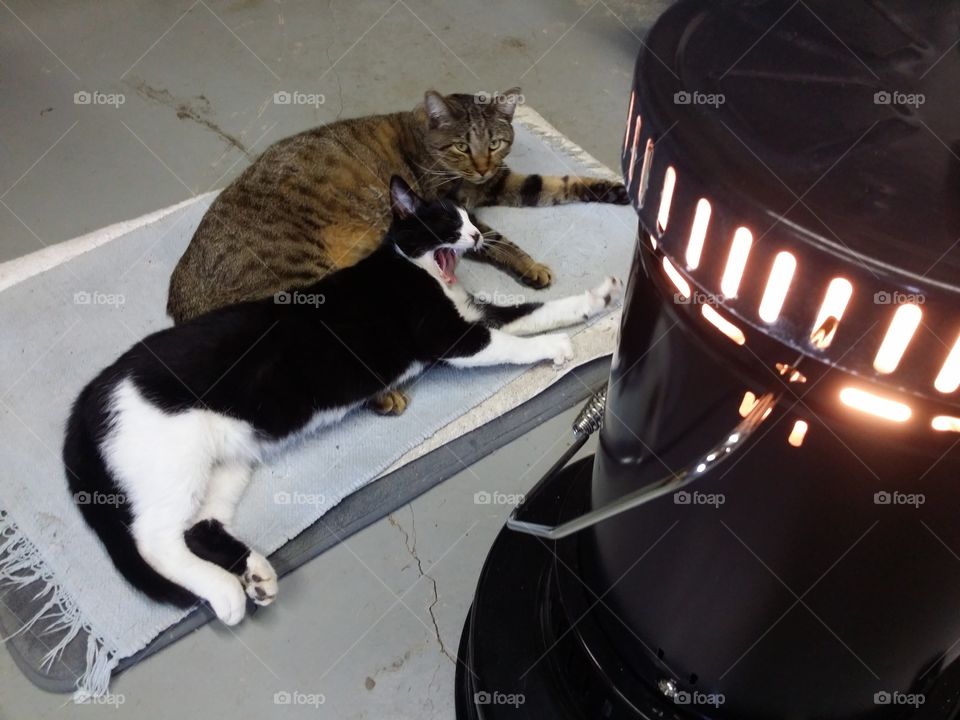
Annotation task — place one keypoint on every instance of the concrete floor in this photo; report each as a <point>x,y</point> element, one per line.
<point>183,97</point>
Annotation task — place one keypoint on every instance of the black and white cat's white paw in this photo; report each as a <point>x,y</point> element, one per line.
<point>556,347</point>
<point>227,598</point>
<point>259,579</point>
<point>602,296</point>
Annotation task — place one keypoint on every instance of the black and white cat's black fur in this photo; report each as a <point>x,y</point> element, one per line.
<point>177,425</point>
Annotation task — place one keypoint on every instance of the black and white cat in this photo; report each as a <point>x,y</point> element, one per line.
<point>176,426</point>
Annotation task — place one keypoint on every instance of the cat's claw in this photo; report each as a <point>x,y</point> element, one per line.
<point>259,580</point>
<point>537,276</point>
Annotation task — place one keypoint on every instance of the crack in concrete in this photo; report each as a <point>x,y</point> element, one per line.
<point>411,546</point>
<point>188,111</point>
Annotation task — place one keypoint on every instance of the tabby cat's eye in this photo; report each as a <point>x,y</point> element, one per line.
<point>495,144</point>
<point>461,147</point>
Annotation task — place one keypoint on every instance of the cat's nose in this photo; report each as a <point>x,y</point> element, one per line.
<point>475,236</point>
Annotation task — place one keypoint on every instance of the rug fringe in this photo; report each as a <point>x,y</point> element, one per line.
<point>22,565</point>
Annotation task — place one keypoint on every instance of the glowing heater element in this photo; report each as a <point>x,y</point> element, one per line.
<point>645,173</point>
<point>626,137</point>
<point>698,233</point>
<point>945,423</point>
<point>736,262</point>
<point>633,149</point>
<point>666,198</point>
<point>676,278</point>
<point>904,324</point>
<point>875,405</point>
<point>722,324</point>
<point>834,304</point>
<point>949,378</point>
<point>798,433</point>
<point>747,404</point>
<point>781,274</point>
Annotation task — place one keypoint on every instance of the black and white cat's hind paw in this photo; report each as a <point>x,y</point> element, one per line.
<point>259,579</point>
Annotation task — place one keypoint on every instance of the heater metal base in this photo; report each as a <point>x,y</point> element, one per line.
<point>522,653</point>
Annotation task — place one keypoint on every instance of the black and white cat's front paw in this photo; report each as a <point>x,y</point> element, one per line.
<point>601,297</point>
<point>259,579</point>
<point>556,347</point>
<point>226,596</point>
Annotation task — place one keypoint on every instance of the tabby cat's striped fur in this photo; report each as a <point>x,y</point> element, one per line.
<point>320,200</point>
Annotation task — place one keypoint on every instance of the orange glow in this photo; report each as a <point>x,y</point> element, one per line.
<point>722,324</point>
<point>676,278</point>
<point>736,262</point>
<point>798,433</point>
<point>645,173</point>
<point>747,404</point>
<point>633,149</point>
<point>945,423</point>
<point>666,198</point>
<point>871,404</point>
<point>949,378</point>
<point>626,137</point>
<point>904,324</point>
<point>698,233</point>
<point>781,274</point>
<point>834,304</point>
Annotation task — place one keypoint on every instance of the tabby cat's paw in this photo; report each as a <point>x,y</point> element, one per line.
<point>391,402</point>
<point>537,276</point>
<point>604,191</point>
<point>259,580</point>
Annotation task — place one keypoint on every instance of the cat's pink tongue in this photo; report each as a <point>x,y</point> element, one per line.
<point>447,262</point>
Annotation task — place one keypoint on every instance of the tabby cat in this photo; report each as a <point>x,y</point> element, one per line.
<point>178,423</point>
<point>319,201</point>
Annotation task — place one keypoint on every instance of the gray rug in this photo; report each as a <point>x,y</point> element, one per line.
<point>68,313</point>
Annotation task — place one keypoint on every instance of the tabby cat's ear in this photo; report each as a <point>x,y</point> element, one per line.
<point>507,102</point>
<point>403,200</point>
<point>437,109</point>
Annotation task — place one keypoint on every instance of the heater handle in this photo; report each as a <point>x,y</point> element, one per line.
<point>733,441</point>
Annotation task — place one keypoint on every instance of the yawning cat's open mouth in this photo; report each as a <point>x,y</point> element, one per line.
<point>446,259</point>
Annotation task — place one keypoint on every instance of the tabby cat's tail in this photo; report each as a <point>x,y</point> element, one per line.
<point>101,502</point>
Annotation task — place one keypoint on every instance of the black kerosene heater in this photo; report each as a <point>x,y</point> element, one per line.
<point>770,527</point>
